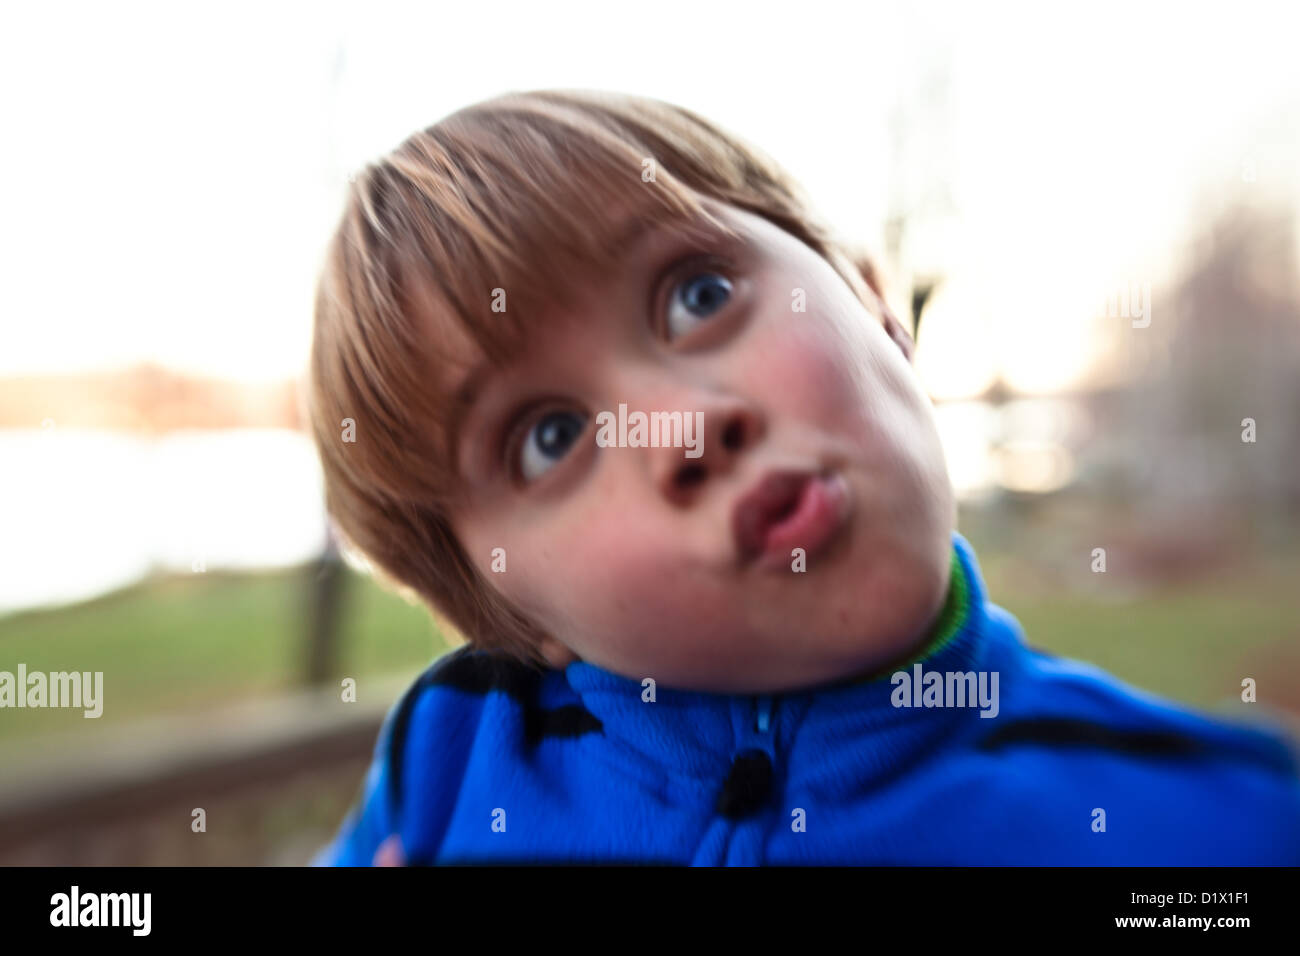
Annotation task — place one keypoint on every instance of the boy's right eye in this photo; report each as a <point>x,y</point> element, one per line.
<point>548,440</point>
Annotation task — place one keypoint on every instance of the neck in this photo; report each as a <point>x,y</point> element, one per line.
<point>943,627</point>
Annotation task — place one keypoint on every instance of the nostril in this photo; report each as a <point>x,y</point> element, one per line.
<point>733,436</point>
<point>690,475</point>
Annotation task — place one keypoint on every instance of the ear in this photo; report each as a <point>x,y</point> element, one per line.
<point>894,327</point>
<point>557,655</point>
<point>902,338</point>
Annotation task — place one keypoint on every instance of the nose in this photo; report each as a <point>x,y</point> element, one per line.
<point>727,428</point>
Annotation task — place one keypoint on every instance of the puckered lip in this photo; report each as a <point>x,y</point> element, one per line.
<point>769,501</point>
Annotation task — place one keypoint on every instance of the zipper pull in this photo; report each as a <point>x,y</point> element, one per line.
<point>764,713</point>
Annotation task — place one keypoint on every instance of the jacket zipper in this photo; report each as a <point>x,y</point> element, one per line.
<point>763,722</point>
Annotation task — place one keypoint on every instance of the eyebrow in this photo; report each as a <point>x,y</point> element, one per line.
<point>463,401</point>
<point>467,393</point>
<point>633,233</point>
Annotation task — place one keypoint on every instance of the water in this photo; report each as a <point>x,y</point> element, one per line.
<point>83,511</point>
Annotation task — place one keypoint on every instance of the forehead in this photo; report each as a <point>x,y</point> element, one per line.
<point>463,344</point>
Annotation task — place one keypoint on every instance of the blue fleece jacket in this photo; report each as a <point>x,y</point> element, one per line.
<point>1008,755</point>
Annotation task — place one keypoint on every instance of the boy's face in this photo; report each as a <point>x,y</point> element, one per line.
<point>815,435</point>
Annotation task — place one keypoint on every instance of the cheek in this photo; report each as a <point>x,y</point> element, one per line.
<point>608,567</point>
<point>844,378</point>
<point>824,378</point>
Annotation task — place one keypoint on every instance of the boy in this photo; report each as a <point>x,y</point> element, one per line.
<point>762,642</point>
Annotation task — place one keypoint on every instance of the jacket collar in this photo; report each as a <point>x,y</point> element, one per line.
<point>695,732</point>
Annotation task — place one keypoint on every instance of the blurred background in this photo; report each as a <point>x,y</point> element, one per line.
<point>1090,214</point>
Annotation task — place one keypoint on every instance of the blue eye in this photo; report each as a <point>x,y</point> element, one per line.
<point>700,296</point>
<point>548,441</point>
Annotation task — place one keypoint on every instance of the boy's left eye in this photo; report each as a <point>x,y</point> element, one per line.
<point>698,297</point>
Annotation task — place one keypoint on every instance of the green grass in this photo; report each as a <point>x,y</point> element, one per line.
<point>198,640</point>
<point>1193,643</point>
<point>193,641</point>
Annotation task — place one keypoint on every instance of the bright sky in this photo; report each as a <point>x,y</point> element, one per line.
<point>171,173</point>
